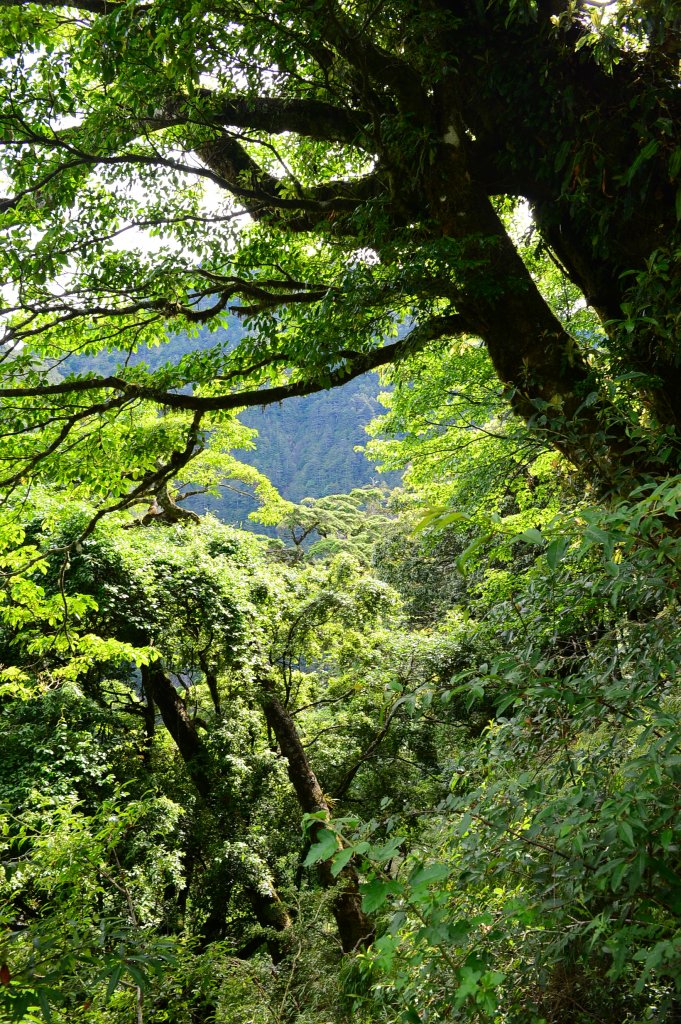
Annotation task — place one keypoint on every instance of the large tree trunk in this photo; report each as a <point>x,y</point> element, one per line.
<point>158,684</point>
<point>570,150</point>
<point>549,381</point>
<point>354,927</point>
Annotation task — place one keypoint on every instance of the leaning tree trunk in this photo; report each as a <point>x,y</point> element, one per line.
<point>549,381</point>
<point>268,909</point>
<point>354,927</point>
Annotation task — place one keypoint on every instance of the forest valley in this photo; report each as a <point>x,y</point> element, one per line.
<point>425,768</point>
<point>418,759</point>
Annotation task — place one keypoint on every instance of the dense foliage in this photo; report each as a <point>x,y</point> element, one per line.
<point>307,447</point>
<point>336,175</point>
<point>418,759</point>
<point>491,764</point>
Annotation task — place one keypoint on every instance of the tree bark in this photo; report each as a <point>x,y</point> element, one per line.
<point>354,926</point>
<point>176,719</point>
<point>268,909</point>
<point>570,150</point>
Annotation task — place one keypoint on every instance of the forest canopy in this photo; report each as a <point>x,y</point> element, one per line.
<point>420,759</point>
<point>330,173</point>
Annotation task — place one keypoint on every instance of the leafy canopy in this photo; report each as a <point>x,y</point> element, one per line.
<point>329,172</point>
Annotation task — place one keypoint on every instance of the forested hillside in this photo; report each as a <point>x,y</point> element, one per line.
<point>305,447</point>
<point>414,774</point>
<point>416,759</point>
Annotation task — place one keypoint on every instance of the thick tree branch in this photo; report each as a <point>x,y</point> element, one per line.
<point>355,364</point>
<point>265,295</point>
<point>225,162</point>
<point>353,43</point>
<point>231,167</point>
<point>315,119</point>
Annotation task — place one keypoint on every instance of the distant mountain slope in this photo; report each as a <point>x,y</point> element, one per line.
<point>305,445</point>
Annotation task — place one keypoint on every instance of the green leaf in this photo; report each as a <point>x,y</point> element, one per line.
<point>342,858</point>
<point>469,981</point>
<point>325,846</point>
<point>439,518</point>
<point>44,1004</point>
<point>647,152</point>
<point>376,892</point>
<point>626,834</point>
<point>675,163</point>
<point>556,551</point>
<point>530,536</point>
<point>467,554</point>
<point>313,817</point>
<point>114,978</point>
<point>428,874</point>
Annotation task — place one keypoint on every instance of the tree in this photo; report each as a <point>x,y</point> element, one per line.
<point>238,647</point>
<point>499,782</point>
<point>361,167</point>
<point>336,523</point>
